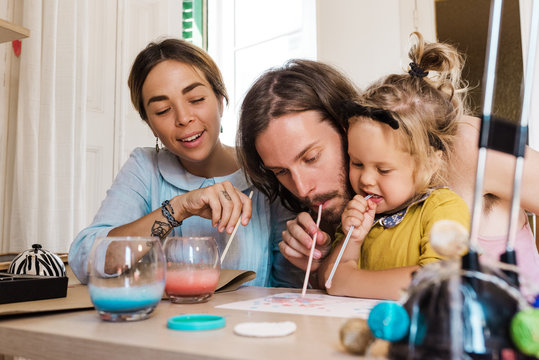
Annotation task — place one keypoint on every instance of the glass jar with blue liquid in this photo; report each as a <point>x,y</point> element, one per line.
<point>127,277</point>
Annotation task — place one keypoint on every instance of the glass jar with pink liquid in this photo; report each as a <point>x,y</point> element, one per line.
<point>193,268</point>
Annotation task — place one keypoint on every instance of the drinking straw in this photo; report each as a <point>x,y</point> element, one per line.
<point>307,273</point>
<point>233,233</point>
<point>328,282</point>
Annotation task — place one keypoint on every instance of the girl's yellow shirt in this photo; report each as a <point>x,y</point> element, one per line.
<point>402,239</point>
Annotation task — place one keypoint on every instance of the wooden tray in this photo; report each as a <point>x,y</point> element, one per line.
<point>17,288</point>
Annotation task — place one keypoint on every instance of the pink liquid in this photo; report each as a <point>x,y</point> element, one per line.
<point>191,282</point>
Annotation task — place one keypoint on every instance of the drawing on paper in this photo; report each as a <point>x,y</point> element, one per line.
<point>311,304</point>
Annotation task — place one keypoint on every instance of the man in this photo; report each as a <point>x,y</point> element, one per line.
<point>292,145</point>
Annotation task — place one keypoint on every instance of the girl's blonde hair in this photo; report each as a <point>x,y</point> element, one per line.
<point>426,102</point>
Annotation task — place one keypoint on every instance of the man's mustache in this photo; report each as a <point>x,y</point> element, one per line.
<point>319,199</point>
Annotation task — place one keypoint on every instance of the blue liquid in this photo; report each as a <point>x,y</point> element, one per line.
<point>125,299</point>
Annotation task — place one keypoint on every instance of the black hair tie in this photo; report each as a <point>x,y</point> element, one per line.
<point>417,71</point>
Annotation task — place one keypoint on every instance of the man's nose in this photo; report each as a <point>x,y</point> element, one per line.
<point>303,184</point>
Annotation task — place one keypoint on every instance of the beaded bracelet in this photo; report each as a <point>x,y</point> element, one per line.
<point>165,206</point>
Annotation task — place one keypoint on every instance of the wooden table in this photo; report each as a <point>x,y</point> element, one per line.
<point>82,335</point>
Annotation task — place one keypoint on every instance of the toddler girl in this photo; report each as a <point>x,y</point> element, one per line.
<point>400,137</point>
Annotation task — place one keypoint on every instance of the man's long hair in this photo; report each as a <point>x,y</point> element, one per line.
<point>298,86</point>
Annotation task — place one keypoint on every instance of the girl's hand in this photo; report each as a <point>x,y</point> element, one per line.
<point>221,202</point>
<point>359,213</point>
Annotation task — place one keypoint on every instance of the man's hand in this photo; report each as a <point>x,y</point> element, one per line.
<point>298,239</point>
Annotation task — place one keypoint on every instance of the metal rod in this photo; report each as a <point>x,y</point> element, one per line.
<point>489,81</point>
<point>524,116</point>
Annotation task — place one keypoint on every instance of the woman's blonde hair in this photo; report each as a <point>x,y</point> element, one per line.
<point>426,102</point>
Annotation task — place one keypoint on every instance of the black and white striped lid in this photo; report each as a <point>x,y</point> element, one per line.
<point>37,261</point>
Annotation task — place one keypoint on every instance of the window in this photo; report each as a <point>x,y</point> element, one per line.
<point>194,22</point>
<point>247,37</point>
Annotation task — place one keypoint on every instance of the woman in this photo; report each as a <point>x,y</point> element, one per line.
<point>193,186</point>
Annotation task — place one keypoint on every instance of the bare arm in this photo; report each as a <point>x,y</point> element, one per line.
<point>348,279</point>
<point>499,169</point>
<point>222,203</point>
<point>351,281</point>
<point>376,284</point>
<point>499,178</point>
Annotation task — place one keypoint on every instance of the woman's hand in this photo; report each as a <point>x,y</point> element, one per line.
<point>297,241</point>
<point>221,202</point>
<point>360,214</point>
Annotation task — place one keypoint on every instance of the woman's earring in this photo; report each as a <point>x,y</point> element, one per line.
<point>156,144</point>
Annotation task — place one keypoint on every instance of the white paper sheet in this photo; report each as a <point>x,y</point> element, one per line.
<point>311,304</point>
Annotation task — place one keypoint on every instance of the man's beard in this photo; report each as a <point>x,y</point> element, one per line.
<point>332,216</point>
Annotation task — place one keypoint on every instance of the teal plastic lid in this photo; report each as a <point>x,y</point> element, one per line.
<point>191,322</point>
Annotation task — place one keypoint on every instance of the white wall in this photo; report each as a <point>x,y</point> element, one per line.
<point>369,39</point>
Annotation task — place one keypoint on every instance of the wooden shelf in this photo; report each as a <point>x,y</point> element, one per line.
<point>10,31</point>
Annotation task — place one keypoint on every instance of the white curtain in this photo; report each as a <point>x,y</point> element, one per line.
<point>45,195</point>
